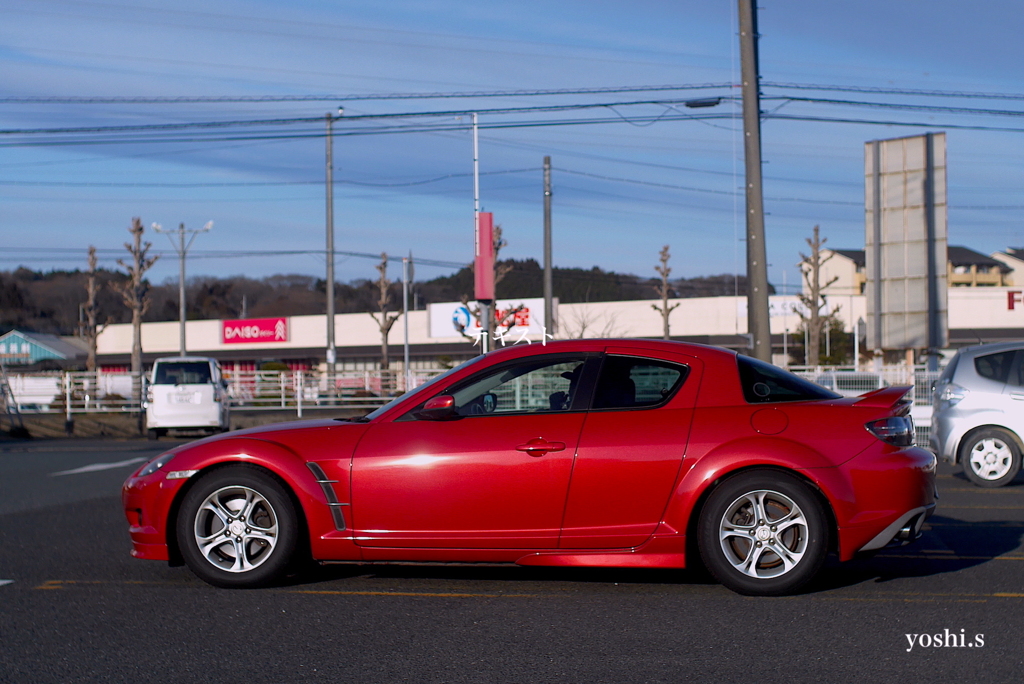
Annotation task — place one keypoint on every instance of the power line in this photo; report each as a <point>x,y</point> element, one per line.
<point>901,106</point>
<point>319,119</point>
<point>538,92</point>
<point>351,97</point>
<point>895,91</point>
<point>245,184</point>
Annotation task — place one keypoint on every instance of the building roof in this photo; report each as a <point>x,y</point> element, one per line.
<point>962,256</point>
<point>62,347</point>
<point>854,255</point>
<point>955,254</point>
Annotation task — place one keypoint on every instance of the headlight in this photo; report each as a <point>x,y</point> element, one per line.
<point>156,464</point>
<point>896,430</point>
<point>952,394</point>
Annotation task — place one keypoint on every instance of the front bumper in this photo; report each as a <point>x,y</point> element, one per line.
<point>147,501</point>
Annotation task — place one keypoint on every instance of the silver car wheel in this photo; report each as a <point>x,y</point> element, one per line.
<point>763,534</point>
<point>236,529</point>
<point>991,458</point>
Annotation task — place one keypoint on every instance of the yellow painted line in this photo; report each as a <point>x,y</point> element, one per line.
<point>924,556</point>
<point>987,523</point>
<point>980,489</point>
<point>330,592</point>
<point>1006,594</point>
<point>981,508</point>
<point>60,584</point>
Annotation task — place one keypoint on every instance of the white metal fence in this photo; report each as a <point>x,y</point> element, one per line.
<point>83,392</point>
<point>299,391</point>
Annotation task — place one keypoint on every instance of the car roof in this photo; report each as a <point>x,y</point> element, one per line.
<point>601,344</point>
<point>991,348</point>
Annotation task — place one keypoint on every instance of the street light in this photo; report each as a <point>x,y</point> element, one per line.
<point>182,249</point>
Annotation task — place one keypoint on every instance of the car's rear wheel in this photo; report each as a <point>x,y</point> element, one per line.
<point>237,527</point>
<point>990,458</point>
<point>763,533</point>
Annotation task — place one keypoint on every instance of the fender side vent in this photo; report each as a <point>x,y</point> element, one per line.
<point>332,497</point>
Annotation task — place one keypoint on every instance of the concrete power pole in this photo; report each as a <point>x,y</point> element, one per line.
<point>758,320</point>
<point>331,350</point>
<point>549,298</point>
<point>182,249</point>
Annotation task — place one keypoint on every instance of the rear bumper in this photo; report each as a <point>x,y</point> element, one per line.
<point>893,494</point>
<point>902,531</point>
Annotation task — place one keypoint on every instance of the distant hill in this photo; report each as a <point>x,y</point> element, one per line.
<point>48,302</point>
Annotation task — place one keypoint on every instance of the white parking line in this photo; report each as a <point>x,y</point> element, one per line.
<point>93,467</point>
<point>3,582</point>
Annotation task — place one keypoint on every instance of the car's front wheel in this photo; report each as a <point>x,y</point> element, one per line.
<point>237,527</point>
<point>991,458</point>
<point>763,533</point>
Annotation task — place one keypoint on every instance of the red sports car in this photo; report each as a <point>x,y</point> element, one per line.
<point>611,453</point>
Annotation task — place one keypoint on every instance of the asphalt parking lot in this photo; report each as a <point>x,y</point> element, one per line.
<point>74,606</point>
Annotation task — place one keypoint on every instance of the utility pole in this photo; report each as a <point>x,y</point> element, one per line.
<point>757,267</point>
<point>549,299</point>
<point>331,350</point>
<point>182,249</point>
<point>406,278</point>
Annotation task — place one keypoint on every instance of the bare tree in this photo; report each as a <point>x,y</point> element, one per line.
<point>815,299</point>
<point>583,322</point>
<point>663,289</point>
<point>385,320</point>
<point>135,293</point>
<point>91,330</point>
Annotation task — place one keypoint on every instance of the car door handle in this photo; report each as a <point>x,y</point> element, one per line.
<point>539,447</point>
<point>1019,396</point>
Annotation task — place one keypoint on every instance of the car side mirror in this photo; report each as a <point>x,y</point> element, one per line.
<point>438,408</point>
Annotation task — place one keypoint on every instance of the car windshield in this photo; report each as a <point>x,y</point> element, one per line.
<point>422,388</point>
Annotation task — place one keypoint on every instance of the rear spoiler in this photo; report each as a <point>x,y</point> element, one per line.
<point>887,397</point>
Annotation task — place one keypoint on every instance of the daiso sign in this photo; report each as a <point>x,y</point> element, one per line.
<point>251,330</point>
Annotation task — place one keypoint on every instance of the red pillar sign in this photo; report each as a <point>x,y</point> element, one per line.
<point>484,262</point>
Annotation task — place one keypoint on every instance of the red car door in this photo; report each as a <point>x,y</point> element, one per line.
<point>631,449</point>
<point>494,476</point>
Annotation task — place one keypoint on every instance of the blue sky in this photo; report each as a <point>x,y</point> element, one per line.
<point>622,188</point>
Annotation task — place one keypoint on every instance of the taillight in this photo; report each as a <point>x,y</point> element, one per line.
<point>895,430</point>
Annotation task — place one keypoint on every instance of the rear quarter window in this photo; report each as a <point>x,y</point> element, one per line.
<point>995,366</point>
<point>764,383</point>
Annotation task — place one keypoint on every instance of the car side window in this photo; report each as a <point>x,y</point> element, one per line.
<point>764,383</point>
<point>629,382</point>
<point>531,385</point>
<point>995,366</point>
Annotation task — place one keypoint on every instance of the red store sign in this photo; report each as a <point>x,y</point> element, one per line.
<point>251,330</point>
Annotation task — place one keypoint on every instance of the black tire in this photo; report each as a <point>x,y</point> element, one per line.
<point>990,458</point>
<point>256,519</point>
<point>746,552</point>
<point>153,434</point>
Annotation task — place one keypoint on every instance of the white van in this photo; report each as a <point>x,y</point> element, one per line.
<point>186,393</point>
